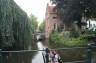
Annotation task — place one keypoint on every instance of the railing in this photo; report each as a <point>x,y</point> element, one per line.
<point>89,53</point>
<point>20,51</point>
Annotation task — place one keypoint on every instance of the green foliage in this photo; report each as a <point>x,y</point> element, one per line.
<point>57,39</point>
<point>73,33</point>
<point>61,27</point>
<point>73,10</point>
<point>14,25</point>
<point>34,23</point>
<point>88,33</point>
<point>76,42</point>
<point>42,27</point>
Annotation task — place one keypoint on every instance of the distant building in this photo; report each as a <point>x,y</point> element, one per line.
<point>51,20</point>
<point>91,24</point>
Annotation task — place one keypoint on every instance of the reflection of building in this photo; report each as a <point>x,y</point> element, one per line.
<point>51,20</point>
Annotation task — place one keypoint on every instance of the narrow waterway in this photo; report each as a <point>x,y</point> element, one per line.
<point>38,58</point>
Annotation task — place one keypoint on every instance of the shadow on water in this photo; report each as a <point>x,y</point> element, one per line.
<point>36,57</point>
<point>30,57</point>
<point>19,57</point>
<point>72,55</point>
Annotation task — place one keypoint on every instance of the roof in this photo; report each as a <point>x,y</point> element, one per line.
<point>50,8</point>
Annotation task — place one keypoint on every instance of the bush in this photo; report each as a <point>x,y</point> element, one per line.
<point>76,42</point>
<point>73,33</point>
<point>57,39</point>
<point>90,35</point>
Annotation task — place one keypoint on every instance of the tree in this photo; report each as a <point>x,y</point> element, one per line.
<point>73,10</point>
<point>42,27</point>
<point>34,23</point>
<point>15,30</point>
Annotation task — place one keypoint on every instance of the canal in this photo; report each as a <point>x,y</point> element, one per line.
<point>38,58</point>
<point>30,57</point>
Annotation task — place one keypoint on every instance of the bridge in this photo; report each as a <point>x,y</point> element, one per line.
<point>38,36</point>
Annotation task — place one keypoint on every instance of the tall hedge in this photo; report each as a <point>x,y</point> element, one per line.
<point>14,25</point>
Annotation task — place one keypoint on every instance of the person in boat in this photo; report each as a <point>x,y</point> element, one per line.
<point>54,57</point>
<point>47,51</point>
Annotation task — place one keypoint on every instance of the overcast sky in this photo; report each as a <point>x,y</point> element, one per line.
<point>36,7</point>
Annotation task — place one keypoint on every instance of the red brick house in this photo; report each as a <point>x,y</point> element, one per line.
<point>51,20</point>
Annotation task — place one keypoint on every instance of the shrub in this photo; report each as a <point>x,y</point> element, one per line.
<point>57,39</point>
<point>73,33</point>
<point>76,42</point>
<point>90,35</point>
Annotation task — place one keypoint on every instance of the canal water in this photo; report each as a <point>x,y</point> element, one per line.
<point>30,57</point>
<point>38,58</point>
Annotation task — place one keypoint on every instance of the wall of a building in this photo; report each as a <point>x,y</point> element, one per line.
<point>91,24</point>
<point>51,20</point>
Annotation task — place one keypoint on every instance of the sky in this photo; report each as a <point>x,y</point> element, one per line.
<point>35,7</point>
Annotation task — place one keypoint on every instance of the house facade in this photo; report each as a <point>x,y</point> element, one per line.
<point>51,20</point>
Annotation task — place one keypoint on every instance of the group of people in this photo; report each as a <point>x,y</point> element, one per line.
<point>52,56</point>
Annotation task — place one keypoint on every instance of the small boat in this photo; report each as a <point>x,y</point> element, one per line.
<point>51,56</point>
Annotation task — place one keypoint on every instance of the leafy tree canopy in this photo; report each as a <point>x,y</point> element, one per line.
<point>14,25</point>
<point>34,23</point>
<point>73,10</point>
<point>42,27</point>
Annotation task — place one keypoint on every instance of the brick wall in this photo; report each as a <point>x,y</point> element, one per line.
<point>51,20</point>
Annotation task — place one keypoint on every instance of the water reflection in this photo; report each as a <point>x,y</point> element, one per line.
<point>38,58</point>
<point>19,57</point>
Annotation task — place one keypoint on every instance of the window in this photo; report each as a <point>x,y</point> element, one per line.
<point>54,17</point>
<point>55,26</point>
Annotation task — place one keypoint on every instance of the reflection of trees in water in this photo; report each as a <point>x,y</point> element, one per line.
<point>70,55</point>
<point>19,57</point>
<point>73,55</point>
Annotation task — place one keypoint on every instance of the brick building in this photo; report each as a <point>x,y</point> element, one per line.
<point>51,20</point>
